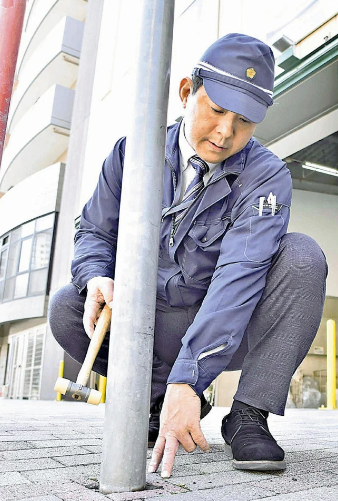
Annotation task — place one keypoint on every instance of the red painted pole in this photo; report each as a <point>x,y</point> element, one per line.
<point>12,13</point>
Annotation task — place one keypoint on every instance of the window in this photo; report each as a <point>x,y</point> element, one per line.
<point>25,359</point>
<point>3,262</point>
<point>24,259</point>
<point>41,250</point>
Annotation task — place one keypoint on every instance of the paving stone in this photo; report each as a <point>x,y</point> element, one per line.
<point>318,494</point>
<point>12,478</point>
<point>43,498</point>
<point>71,460</point>
<point>138,496</point>
<point>97,449</point>
<point>220,479</point>
<point>80,493</point>
<point>201,468</point>
<point>66,443</point>
<point>303,447</point>
<point>201,458</point>
<point>14,446</point>
<point>283,483</point>
<point>29,464</point>
<point>8,427</point>
<point>294,457</point>
<point>41,453</point>
<point>23,436</point>
<point>237,492</point>
<point>75,473</point>
<point>154,489</point>
<point>70,491</point>
<point>80,459</point>
<point>311,466</point>
<point>198,451</point>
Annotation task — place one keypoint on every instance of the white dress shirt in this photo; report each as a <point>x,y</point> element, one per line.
<point>187,170</point>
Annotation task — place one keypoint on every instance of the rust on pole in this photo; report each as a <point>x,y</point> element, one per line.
<point>12,13</point>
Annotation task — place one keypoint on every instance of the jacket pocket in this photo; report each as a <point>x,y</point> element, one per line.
<point>204,235</point>
<point>201,250</point>
<point>263,237</point>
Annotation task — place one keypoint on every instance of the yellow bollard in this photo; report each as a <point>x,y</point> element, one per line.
<point>331,364</point>
<point>61,371</point>
<point>102,388</point>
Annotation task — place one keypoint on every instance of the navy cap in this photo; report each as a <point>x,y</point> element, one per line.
<point>238,75</point>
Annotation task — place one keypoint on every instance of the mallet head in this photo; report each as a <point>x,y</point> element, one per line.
<point>77,391</point>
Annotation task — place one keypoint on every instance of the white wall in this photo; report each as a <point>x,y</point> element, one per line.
<point>39,194</point>
<point>111,112</point>
<point>316,215</point>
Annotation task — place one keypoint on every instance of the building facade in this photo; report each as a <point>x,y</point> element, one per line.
<point>31,183</point>
<point>59,164</point>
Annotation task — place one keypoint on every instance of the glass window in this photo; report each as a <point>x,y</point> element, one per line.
<point>3,261</point>
<point>30,349</point>
<point>2,286</point>
<point>24,259</point>
<point>28,229</point>
<point>44,223</point>
<point>9,289</point>
<point>35,383</point>
<point>16,234</point>
<point>21,283</point>
<point>13,259</point>
<point>38,282</point>
<point>41,250</point>
<point>38,349</point>
<point>25,255</point>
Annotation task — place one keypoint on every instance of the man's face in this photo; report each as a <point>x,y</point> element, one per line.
<point>214,133</point>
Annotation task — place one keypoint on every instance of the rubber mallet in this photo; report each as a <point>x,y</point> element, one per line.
<point>79,390</point>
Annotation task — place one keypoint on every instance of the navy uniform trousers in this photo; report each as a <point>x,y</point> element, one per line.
<point>278,336</point>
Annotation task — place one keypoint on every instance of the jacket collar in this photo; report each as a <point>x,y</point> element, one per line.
<point>235,164</point>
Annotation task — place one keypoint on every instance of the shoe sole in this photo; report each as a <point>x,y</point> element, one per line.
<point>259,465</point>
<point>263,465</point>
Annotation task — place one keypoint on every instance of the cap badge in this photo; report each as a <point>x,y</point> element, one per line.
<point>250,73</point>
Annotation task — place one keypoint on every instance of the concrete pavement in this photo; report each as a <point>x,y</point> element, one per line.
<point>50,451</point>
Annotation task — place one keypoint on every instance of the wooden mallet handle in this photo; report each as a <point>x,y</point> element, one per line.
<point>94,346</point>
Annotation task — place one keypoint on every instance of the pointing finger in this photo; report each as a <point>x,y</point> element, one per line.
<point>170,450</point>
<point>157,454</point>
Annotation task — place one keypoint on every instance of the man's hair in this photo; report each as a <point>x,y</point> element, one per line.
<point>197,82</point>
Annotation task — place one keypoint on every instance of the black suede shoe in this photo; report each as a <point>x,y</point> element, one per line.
<point>253,447</point>
<point>154,419</point>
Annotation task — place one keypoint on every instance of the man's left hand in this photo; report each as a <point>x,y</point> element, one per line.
<point>179,424</point>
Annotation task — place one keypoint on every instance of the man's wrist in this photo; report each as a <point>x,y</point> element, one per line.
<point>95,278</point>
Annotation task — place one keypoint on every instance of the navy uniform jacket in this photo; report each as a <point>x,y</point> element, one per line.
<point>219,256</point>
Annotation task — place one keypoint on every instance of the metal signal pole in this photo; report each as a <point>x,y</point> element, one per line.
<point>133,315</point>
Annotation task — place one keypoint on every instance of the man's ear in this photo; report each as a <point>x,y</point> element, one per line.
<point>185,90</point>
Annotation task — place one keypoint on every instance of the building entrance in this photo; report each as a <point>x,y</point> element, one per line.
<point>25,363</point>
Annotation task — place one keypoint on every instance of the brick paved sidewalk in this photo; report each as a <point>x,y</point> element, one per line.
<point>50,451</point>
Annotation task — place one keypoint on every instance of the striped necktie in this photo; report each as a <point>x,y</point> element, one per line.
<point>194,188</point>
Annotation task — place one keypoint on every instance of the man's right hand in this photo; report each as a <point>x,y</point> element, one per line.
<point>99,291</point>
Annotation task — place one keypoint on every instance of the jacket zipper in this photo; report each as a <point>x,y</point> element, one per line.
<point>211,352</point>
<point>172,231</point>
